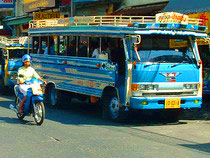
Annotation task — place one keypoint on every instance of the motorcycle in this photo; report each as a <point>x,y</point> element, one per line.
<point>34,105</point>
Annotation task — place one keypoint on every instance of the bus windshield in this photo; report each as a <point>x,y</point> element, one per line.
<point>164,49</point>
<point>16,53</point>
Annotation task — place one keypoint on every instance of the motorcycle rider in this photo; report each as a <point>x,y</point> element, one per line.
<point>25,73</point>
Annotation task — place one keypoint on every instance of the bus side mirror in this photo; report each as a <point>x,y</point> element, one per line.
<point>199,63</point>
<point>138,39</point>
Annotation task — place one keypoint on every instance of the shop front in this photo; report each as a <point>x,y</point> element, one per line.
<point>18,25</point>
<point>141,8</point>
<point>200,10</point>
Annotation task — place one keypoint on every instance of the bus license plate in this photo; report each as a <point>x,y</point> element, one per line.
<point>172,103</point>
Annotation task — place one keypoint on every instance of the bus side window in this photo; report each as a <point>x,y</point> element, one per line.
<point>83,47</point>
<point>95,50</point>
<point>50,46</point>
<point>71,49</point>
<point>100,48</point>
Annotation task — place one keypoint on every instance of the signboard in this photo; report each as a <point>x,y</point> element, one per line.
<point>67,2</point>
<point>45,15</point>
<point>177,44</point>
<point>171,17</point>
<point>131,3</point>
<point>205,16</point>
<point>6,4</point>
<point>32,5</point>
<point>203,41</point>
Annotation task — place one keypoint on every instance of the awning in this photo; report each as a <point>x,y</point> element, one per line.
<point>140,10</point>
<point>187,6</point>
<point>17,20</point>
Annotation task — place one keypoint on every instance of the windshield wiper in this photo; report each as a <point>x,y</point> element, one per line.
<point>179,63</point>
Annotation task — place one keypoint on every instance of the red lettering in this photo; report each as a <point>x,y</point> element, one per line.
<point>203,18</point>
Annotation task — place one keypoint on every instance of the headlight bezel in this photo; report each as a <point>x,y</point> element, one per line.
<point>192,86</point>
<point>143,87</point>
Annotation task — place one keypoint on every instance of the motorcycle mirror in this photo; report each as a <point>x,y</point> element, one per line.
<point>21,76</point>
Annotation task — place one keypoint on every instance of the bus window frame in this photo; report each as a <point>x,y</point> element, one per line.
<point>69,38</point>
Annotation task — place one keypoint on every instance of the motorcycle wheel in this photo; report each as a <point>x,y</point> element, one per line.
<point>17,102</point>
<point>39,113</point>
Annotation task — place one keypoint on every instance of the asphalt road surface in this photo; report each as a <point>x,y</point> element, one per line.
<point>78,131</point>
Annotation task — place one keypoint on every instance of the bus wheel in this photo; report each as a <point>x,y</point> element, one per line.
<point>53,96</point>
<point>111,108</point>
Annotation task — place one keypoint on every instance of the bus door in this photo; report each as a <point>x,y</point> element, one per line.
<point>129,42</point>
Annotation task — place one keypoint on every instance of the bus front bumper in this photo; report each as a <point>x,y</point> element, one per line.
<point>159,103</point>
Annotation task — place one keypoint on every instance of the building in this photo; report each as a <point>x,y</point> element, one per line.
<point>199,9</point>
<point>141,7</point>
<point>6,10</point>
<point>23,11</point>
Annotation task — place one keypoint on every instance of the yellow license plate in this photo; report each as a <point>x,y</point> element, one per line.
<point>172,103</point>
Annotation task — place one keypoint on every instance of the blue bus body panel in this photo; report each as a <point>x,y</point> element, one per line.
<point>157,73</point>
<point>82,75</point>
<point>158,103</point>
<point>13,66</point>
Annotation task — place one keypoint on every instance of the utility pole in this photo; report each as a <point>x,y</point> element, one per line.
<point>72,8</point>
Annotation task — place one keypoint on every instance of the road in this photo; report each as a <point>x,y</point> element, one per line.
<point>78,131</point>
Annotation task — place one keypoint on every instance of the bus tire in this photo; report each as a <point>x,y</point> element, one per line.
<point>53,97</point>
<point>111,108</point>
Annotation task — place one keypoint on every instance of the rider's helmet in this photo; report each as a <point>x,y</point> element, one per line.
<point>26,57</point>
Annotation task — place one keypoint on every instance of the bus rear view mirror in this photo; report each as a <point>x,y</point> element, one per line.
<point>138,39</point>
<point>135,38</point>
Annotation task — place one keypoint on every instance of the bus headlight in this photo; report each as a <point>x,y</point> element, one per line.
<point>137,87</point>
<point>142,87</point>
<point>190,86</point>
<point>148,87</point>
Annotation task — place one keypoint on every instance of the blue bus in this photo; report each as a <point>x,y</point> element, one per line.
<point>122,62</point>
<point>10,62</point>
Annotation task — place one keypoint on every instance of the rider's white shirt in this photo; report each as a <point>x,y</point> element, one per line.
<point>28,73</point>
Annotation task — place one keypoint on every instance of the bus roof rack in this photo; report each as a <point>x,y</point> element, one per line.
<point>8,41</point>
<point>13,42</point>
<point>169,17</point>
